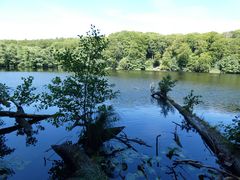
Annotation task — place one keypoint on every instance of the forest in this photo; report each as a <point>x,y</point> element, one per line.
<point>129,50</point>
<point>83,104</point>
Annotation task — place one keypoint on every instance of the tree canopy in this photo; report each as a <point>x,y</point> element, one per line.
<point>129,50</point>
<point>81,96</point>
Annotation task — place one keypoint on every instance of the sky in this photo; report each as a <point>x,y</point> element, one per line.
<point>41,19</point>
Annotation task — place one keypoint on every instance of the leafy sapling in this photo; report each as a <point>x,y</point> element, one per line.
<point>166,85</point>
<point>191,100</point>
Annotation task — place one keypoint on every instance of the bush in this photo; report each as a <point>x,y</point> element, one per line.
<point>232,131</point>
<point>230,64</point>
<point>190,101</point>
<point>166,85</point>
<point>125,64</point>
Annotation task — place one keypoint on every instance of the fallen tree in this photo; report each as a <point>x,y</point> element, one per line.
<point>22,122</point>
<point>8,130</point>
<point>24,115</point>
<point>227,153</point>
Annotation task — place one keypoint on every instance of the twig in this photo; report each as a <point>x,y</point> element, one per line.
<point>198,164</point>
<point>172,171</point>
<point>177,124</point>
<point>126,143</point>
<point>136,140</point>
<point>116,151</point>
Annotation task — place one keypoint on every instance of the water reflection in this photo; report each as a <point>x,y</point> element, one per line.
<point>30,138</point>
<point>4,149</point>
<point>143,119</point>
<point>59,170</point>
<point>165,106</point>
<point>6,168</point>
<point>5,171</point>
<point>178,165</point>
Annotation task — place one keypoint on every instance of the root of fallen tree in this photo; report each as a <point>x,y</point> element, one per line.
<point>227,153</point>
<point>78,162</point>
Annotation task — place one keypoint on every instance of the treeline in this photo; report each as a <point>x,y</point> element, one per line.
<point>33,54</point>
<point>129,50</point>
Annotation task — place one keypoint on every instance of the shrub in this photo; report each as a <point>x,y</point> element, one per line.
<point>190,101</point>
<point>166,85</point>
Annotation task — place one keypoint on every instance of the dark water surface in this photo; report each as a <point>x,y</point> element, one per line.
<point>143,117</point>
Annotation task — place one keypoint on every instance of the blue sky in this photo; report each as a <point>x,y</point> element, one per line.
<point>35,19</point>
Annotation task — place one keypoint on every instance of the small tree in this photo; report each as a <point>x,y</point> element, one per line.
<point>190,101</point>
<point>166,85</point>
<point>80,97</point>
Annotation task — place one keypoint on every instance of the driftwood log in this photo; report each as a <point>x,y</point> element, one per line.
<point>227,152</point>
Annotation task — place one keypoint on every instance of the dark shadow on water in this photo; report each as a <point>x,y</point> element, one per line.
<point>31,140</point>
<point>58,170</point>
<point>5,168</point>
<point>164,105</point>
<point>4,149</point>
<point>5,171</point>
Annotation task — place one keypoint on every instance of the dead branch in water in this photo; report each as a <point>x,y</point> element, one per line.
<point>199,165</point>
<point>126,141</point>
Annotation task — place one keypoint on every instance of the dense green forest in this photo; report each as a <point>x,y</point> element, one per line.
<point>127,50</point>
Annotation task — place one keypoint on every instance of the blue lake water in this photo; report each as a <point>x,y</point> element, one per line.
<point>142,116</point>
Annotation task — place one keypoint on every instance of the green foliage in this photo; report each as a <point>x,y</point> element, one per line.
<point>201,63</point>
<point>232,131</point>
<point>230,64</point>
<point>190,101</point>
<point>168,62</point>
<point>166,85</point>
<point>76,98</point>
<point>80,97</point>
<point>23,95</point>
<point>4,96</point>
<point>183,55</point>
<point>125,64</point>
<point>131,50</point>
<point>87,59</point>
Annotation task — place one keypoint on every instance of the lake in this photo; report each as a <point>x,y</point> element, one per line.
<point>143,117</point>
